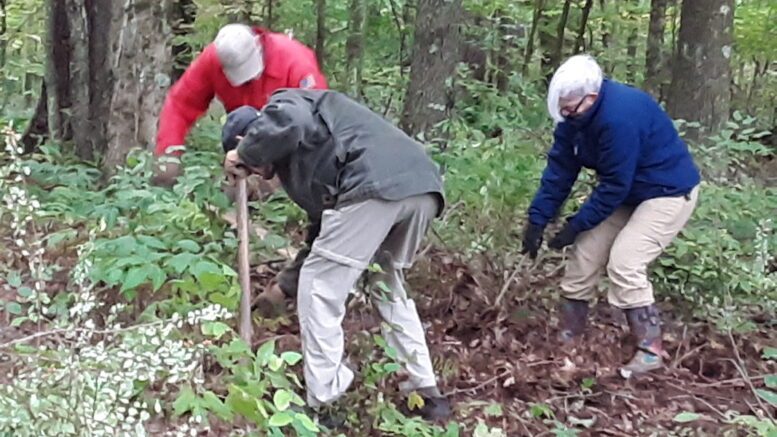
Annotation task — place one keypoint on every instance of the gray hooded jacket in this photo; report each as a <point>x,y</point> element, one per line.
<point>329,151</point>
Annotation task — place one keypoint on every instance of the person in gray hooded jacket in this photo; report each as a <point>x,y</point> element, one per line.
<point>370,192</point>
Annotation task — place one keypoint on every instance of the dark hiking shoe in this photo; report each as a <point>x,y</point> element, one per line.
<point>435,406</point>
<point>573,316</point>
<point>645,324</point>
<point>328,416</point>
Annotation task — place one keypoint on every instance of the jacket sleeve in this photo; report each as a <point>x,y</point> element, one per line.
<point>557,179</point>
<point>187,100</point>
<point>618,155</point>
<point>277,131</point>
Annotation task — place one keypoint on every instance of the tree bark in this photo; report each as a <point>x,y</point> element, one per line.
<point>321,32</point>
<point>354,48</point>
<point>580,41</point>
<point>701,69</point>
<point>182,20</point>
<point>142,67</point>
<point>58,71</point>
<point>429,95</point>
<point>654,55</point>
<point>38,128</point>
<point>79,113</point>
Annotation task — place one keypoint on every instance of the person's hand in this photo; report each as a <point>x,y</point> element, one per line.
<point>167,169</point>
<point>235,168</point>
<point>564,238</point>
<point>532,239</point>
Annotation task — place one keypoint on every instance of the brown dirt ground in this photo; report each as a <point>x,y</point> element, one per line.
<point>509,355</point>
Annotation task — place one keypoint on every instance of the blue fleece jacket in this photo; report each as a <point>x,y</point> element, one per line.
<point>631,143</point>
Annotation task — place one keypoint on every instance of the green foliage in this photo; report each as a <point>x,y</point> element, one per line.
<point>260,388</point>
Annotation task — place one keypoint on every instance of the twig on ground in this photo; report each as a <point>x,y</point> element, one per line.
<point>481,385</point>
<point>509,280</point>
<point>743,371</point>
<point>680,347</point>
<point>701,400</point>
<point>728,381</point>
<point>688,354</point>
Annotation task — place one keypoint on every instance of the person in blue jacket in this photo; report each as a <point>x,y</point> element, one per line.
<point>646,192</point>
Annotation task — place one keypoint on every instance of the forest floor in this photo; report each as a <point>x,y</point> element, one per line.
<point>502,365</point>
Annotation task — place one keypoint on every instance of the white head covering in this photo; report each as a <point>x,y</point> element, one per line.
<point>240,53</point>
<point>578,76</point>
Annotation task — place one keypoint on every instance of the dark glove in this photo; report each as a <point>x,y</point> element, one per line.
<point>166,173</point>
<point>532,239</point>
<point>236,126</point>
<point>288,278</point>
<point>564,238</point>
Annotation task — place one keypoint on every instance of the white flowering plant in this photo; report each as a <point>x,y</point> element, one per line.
<point>123,346</point>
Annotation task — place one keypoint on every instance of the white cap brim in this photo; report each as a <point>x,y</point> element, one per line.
<point>249,69</point>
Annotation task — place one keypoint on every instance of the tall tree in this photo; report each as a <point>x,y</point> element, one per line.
<point>141,67</point>
<point>354,48</point>
<point>106,74</point>
<point>435,56</point>
<point>3,30</point>
<point>580,40</point>
<point>184,13</point>
<point>321,32</point>
<point>701,70</point>
<point>655,64</point>
<point>535,23</point>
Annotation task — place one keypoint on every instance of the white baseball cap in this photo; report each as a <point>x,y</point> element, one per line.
<point>240,53</point>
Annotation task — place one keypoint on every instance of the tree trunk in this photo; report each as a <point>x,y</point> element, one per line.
<point>562,27</point>
<point>401,24</point>
<point>182,20</point>
<point>535,22</point>
<point>701,69</point>
<point>580,41</point>
<point>354,48</point>
<point>631,52</point>
<point>429,95</point>
<point>654,56</point>
<point>268,14</point>
<point>58,71</point>
<point>321,32</point>
<point>79,113</point>
<point>142,67</point>
<point>3,30</point>
<point>38,127</point>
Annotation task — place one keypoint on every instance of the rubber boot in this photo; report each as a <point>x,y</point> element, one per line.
<point>645,324</point>
<point>436,406</point>
<point>573,316</point>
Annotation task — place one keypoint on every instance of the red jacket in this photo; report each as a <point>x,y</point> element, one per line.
<point>287,64</point>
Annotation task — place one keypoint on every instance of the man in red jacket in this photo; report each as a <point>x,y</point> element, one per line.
<point>242,66</point>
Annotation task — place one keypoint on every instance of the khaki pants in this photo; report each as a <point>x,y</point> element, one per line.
<point>389,234</point>
<point>626,243</point>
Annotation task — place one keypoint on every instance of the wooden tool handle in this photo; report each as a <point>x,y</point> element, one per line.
<point>245,328</point>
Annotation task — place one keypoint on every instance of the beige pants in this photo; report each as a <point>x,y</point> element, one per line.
<point>383,232</point>
<point>626,243</point>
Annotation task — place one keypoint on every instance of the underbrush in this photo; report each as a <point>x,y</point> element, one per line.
<point>120,294</point>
